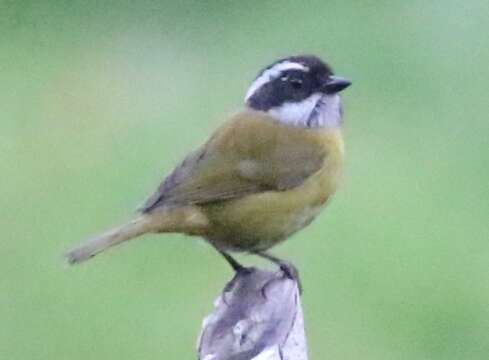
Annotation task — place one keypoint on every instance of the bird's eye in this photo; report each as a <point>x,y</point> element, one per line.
<point>296,83</point>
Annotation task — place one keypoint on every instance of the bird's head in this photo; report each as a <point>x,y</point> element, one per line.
<point>300,91</point>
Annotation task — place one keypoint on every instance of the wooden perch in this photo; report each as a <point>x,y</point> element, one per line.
<point>258,316</point>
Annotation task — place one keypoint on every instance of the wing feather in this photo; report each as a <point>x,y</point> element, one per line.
<point>249,154</point>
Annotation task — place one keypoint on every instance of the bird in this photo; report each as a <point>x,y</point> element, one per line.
<point>262,176</point>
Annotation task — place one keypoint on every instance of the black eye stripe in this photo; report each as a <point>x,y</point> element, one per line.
<point>290,86</point>
<point>296,74</point>
<point>296,83</point>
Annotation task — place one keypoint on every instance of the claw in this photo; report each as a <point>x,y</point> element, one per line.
<point>291,272</point>
<point>240,271</point>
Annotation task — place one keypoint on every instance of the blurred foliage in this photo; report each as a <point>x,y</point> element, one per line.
<point>98,100</point>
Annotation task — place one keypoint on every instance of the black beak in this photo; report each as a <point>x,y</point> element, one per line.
<point>335,84</point>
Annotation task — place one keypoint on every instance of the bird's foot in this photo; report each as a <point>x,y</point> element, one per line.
<point>287,268</point>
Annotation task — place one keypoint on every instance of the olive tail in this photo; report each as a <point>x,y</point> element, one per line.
<point>139,226</point>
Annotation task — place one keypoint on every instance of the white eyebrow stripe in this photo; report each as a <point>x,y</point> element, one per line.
<point>271,74</point>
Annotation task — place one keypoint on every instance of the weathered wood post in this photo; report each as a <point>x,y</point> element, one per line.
<point>258,316</point>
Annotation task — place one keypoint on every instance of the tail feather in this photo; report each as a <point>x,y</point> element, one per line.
<point>115,236</point>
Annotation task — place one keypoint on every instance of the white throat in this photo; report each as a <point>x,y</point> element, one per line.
<point>316,111</point>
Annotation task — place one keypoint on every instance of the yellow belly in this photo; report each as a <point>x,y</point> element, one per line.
<point>259,221</point>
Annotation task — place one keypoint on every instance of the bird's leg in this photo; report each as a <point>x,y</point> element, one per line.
<point>237,267</point>
<point>287,267</point>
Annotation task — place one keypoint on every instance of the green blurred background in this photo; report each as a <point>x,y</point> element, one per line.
<point>99,101</point>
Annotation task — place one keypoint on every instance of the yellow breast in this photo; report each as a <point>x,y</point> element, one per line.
<point>259,221</point>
